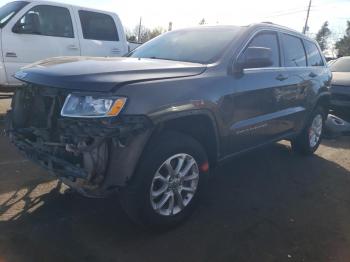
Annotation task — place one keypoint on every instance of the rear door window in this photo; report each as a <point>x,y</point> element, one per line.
<point>294,52</point>
<point>98,26</point>
<point>268,40</point>
<point>314,56</point>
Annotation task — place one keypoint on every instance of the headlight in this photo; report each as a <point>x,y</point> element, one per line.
<point>92,106</point>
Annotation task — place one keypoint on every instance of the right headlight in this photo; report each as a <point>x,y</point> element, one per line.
<point>87,106</point>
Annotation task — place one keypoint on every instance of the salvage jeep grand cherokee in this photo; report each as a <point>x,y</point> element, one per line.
<point>150,125</point>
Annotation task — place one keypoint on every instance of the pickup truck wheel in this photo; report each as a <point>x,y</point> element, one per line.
<point>168,182</point>
<point>310,138</point>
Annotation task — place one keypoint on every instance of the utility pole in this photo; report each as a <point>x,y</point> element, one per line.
<point>139,34</point>
<point>307,18</point>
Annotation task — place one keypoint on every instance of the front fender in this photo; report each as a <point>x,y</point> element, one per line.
<point>182,113</point>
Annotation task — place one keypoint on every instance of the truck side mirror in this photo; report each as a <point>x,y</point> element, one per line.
<point>29,24</point>
<point>18,27</point>
<point>254,57</point>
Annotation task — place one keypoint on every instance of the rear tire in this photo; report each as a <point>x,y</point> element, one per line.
<point>156,174</point>
<point>308,141</point>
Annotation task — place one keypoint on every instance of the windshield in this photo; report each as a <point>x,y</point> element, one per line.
<point>9,10</point>
<point>341,65</point>
<point>201,45</point>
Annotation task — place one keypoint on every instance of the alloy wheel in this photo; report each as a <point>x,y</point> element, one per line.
<point>174,184</point>
<point>315,130</point>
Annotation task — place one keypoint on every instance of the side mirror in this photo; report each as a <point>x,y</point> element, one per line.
<point>29,24</point>
<point>18,28</point>
<point>254,57</point>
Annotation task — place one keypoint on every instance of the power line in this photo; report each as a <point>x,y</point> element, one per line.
<point>299,9</point>
<point>286,13</point>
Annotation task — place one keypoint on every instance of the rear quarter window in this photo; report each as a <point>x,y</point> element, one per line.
<point>98,26</point>
<point>294,52</point>
<point>314,56</point>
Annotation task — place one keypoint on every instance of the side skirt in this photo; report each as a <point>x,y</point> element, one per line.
<point>287,136</point>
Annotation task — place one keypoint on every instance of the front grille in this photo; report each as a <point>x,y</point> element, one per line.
<point>37,107</point>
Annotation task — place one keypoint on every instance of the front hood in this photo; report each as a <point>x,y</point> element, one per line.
<point>103,74</point>
<point>341,79</point>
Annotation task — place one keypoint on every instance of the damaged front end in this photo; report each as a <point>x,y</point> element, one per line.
<point>93,155</point>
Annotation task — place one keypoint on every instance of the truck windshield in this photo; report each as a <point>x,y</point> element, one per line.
<point>341,65</point>
<point>202,45</point>
<point>9,10</point>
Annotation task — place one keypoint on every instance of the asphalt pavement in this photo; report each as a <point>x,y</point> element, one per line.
<point>268,205</point>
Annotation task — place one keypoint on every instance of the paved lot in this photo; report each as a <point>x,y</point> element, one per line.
<point>270,205</point>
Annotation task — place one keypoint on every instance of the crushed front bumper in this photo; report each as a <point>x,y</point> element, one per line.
<point>94,156</point>
<point>39,155</point>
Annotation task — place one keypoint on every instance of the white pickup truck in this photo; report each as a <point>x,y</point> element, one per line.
<point>36,30</point>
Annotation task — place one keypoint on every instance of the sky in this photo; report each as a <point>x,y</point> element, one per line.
<point>186,13</point>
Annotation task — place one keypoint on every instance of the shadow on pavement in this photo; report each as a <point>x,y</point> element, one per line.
<point>339,143</point>
<point>16,172</point>
<point>270,205</point>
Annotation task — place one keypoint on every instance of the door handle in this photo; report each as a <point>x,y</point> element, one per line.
<point>73,47</point>
<point>11,54</point>
<point>313,75</point>
<point>281,77</point>
<point>115,50</point>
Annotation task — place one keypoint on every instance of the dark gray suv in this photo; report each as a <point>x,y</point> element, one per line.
<point>150,126</point>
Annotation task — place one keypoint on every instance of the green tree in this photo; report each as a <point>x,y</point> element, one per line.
<point>348,28</point>
<point>322,36</point>
<point>156,32</point>
<point>130,36</point>
<point>146,34</point>
<point>343,44</point>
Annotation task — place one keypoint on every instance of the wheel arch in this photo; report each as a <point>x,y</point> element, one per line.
<point>323,100</point>
<point>198,124</point>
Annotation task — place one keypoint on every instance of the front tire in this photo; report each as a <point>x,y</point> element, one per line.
<point>168,182</point>
<point>308,141</point>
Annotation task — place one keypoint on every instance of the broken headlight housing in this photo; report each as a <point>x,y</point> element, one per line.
<point>88,106</point>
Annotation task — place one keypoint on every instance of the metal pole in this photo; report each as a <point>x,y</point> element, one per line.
<point>307,18</point>
<point>139,34</point>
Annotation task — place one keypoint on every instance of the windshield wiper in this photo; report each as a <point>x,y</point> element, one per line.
<point>160,58</point>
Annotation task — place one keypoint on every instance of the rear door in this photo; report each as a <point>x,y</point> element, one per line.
<point>317,71</point>
<point>100,34</point>
<point>39,32</point>
<point>291,96</point>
